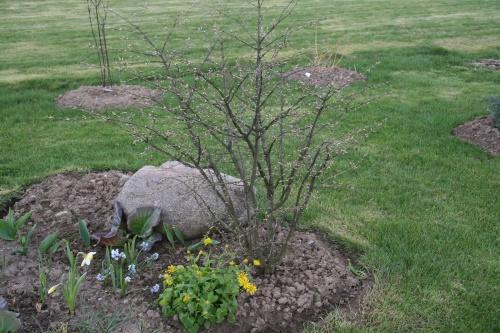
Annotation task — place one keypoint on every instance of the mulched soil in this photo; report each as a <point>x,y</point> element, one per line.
<point>323,76</point>
<point>313,279</point>
<point>97,98</point>
<point>482,132</point>
<point>490,63</point>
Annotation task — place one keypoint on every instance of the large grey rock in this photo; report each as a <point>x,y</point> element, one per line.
<point>186,199</point>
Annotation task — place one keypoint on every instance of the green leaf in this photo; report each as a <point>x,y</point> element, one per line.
<point>195,246</point>
<point>84,232</point>
<point>170,234</point>
<point>30,233</point>
<point>22,220</point>
<point>142,221</point>
<point>7,231</point>
<point>48,242</point>
<point>179,235</point>
<point>9,323</point>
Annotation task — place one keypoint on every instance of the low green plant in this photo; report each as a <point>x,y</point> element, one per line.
<point>43,281</point>
<point>24,240</point>
<point>114,267</point>
<point>47,248</point>
<point>74,281</point>
<point>10,226</point>
<point>49,245</point>
<point>98,319</point>
<point>173,234</point>
<point>9,323</point>
<point>204,292</point>
<point>84,232</point>
<point>130,250</point>
<point>495,110</point>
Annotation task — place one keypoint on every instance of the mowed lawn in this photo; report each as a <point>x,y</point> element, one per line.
<point>423,207</point>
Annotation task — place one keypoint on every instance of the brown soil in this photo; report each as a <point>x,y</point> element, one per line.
<point>313,279</point>
<point>98,98</point>
<point>482,132</point>
<point>323,76</point>
<point>490,63</point>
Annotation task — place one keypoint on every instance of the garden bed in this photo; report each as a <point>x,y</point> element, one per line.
<point>482,132</point>
<point>315,277</point>
<point>98,98</point>
<point>489,63</point>
<point>323,76</point>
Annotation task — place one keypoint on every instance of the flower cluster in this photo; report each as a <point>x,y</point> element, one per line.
<point>117,255</point>
<point>245,283</point>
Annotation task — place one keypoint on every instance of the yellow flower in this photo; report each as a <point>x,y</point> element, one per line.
<point>87,258</point>
<point>171,269</point>
<point>53,288</point>
<point>199,273</point>
<point>186,299</point>
<point>232,263</point>
<point>243,279</point>
<point>168,280</point>
<point>207,241</point>
<point>256,262</point>
<point>251,289</point>
<point>245,261</point>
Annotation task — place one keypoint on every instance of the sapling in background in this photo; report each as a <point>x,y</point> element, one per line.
<point>97,15</point>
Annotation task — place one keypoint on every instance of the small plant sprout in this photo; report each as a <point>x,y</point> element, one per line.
<point>84,232</point>
<point>173,234</point>
<point>10,226</point>
<point>49,245</point>
<point>46,249</point>
<point>24,241</point>
<point>130,251</point>
<point>74,281</point>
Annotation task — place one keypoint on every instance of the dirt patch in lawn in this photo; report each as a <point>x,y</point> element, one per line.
<point>98,98</point>
<point>323,76</point>
<point>490,63</point>
<point>482,132</point>
<point>315,277</point>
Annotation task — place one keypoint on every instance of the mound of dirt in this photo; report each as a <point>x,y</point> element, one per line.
<point>98,98</point>
<point>490,63</point>
<point>314,278</point>
<point>482,132</point>
<point>323,76</point>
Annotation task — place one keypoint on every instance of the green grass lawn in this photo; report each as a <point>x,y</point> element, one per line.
<point>423,206</point>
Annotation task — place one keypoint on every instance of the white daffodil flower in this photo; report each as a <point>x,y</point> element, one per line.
<point>53,288</point>
<point>87,258</point>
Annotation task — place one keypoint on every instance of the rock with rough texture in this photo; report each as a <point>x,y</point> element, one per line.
<point>186,199</point>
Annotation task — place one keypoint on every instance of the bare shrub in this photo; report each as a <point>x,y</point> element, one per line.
<point>98,14</point>
<point>240,116</point>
